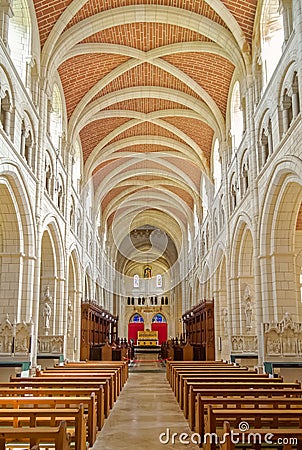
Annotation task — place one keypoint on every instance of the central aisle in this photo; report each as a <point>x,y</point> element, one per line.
<point>145,408</point>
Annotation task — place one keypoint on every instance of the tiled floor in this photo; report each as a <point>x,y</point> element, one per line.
<point>145,408</point>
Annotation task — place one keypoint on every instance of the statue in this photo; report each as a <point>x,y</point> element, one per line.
<point>248,309</point>
<point>248,314</point>
<point>46,315</point>
<point>69,318</point>
<point>47,309</point>
<point>225,321</point>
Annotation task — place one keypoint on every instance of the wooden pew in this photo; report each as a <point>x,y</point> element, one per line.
<point>31,417</point>
<point>112,376</point>
<point>16,391</point>
<point>115,373</point>
<point>247,383</point>
<point>55,402</point>
<point>123,366</point>
<point>200,364</point>
<point>200,369</point>
<point>176,374</point>
<point>74,382</point>
<point>235,393</point>
<point>35,436</point>
<point>275,403</point>
<point>283,438</point>
<point>213,376</point>
<point>65,386</point>
<point>256,418</point>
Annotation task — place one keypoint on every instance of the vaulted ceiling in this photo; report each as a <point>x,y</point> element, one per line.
<point>146,85</point>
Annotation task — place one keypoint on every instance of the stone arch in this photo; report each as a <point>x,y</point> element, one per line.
<point>17,244</point>
<point>52,278</point>
<point>280,243</point>
<point>241,271</point>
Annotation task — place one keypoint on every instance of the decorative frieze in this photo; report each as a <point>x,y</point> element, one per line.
<point>51,345</point>
<point>283,339</point>
<point>15,338</point>
<point>244,344</point>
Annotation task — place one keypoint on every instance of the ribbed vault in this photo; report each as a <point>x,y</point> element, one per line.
<point>146,86</point>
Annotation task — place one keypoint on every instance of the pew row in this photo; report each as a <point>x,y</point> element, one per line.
<point>247,384</point>
<point>57,436</point>
<point>282,438</point>
<point>35,418</point>
<point>57,402</point>
<point>233,393</point>
<point>275,403</point>
<point>255,418</point>
<point>57,383</point>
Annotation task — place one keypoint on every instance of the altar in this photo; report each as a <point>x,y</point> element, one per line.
<point>147,341</point>
<point>147,338</point>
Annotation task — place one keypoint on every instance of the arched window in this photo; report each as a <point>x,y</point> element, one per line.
<point>56,118</point>
<point>19,37</point>
<point>216,166</point>
<point>136,281</point>
<point>136,318</point>
<point>236,117</point>
<point>272,37</point>
<point>159,318</point>
<point>287,111</point>
<point>295,96</point>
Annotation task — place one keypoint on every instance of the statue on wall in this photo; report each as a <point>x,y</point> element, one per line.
<point>46,313</point>
<point>225,319</point>
<point>69,318</point>
<point>248,308</point>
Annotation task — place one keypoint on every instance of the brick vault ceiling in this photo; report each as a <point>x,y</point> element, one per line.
<point>146,85</point>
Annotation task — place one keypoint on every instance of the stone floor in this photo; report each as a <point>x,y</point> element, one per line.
<point>145,409</point>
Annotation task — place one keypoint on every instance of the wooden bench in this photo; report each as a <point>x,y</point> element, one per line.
<point>99,365</point>
<point>111,376</point>
<point>187,378</point>
<point>72,392</point>
<point>177,374</point>
<point>200,369</point>
<point>241,403</point>
<point>247,383</point>
<point>101,390</point>
<point>32,417</point>
<point>54,402</point>
<point>256,418</point>
<point>58,436</point>
<point>283,438</point>
<point>60,383</point>
<point>252,393</point>
<point>171,365</point>
<point>112,373</point>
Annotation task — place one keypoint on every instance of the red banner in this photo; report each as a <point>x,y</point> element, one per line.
<point>133,328</point>
<point>162,329</point>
